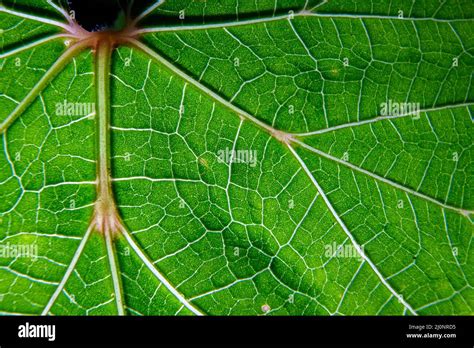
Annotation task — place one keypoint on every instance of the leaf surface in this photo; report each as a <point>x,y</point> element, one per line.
<point>335,207</point>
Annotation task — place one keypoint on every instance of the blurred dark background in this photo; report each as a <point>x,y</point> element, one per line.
<point>94,15</point>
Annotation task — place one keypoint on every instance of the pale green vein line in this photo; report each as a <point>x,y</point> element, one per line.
<point>348,233</point>
<point>251,278</point>
<point>179,310</point>
<point>302,14</point>
<point>382,17</point>
<point>313,58</point>
<point>348,286</point>
<point>115,273</point>
<point>146,178</point>
<point>69,271</point>
<point>26,276</point>
<point>34,18</point>
<point>145,130</point>
<point>229,171</point>
<point>228,286</point>
<point>452,246</point>
<point>36,234</point>
<point>381,118</point>
<point>211,26</point>
<point>454,294</point>
<point>42,83</point>
<point>61,10</point>
<point>157,273</point>
<point>324,2</point>
<point>385,180</point>
<point>310,206</point>
<point>389,298</point>
<point>148,11</point>
<point>68,183</point>
<point>80,119</point>
<point>33,45</point>
<point>138,45</point>
<point>14,313</point>
<point>280,135</point>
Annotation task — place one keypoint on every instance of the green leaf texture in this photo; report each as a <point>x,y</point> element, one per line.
<point>334,208</point>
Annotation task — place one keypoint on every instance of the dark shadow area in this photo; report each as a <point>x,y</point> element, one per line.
<point>46,12</point>
<point>96,15</point>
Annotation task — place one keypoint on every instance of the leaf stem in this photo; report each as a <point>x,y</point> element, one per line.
<point>104,52</point>
<point>106,218</point>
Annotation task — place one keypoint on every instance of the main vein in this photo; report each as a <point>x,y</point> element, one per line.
<point>106,218</point>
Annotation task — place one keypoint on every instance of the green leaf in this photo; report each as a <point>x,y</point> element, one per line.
<point>229,158</point>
